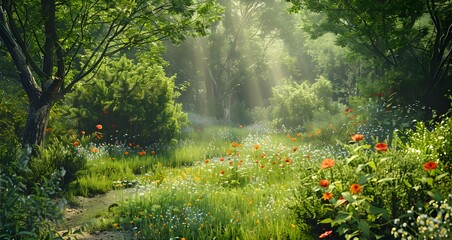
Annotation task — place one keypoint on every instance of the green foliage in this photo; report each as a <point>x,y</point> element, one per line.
<point>12,121</point>
<point>368,192</point>
<point>133,102</point>
<point>28,212</point>
<point>295,104</point>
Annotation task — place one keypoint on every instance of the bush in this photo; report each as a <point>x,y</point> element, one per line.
<point>376,191</point>
<point>295,104</point>
<point>27,212</point>
<point>133,103</point>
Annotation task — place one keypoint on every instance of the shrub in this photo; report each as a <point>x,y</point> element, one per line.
<point>133,102</point>
<point>295,104</point>
<point>372,189</point>
<point>27,213</point>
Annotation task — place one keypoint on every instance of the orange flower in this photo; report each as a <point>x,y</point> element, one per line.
<point>207,161</point>
<point>99,127</point>
<point>126,153</point>
<point>430,166</point>
<point>76,144</point>
<point>327,163</point>
<point>357,137</point>
<point>152,152</point>
<point>294,139</point>
<point>294,149</point>
<point>327,196</point>
<point>230,152</point>
<point>82,132</point>
<point>298,134</point>
<point>235,144</point>
<point>94,150</point>
<point>221,159</point>
<point>324,183</point>
<point>381,147</point>
<point>222,172</point>
<point>326,234</point>
<point>256,146</point>
<point>355,188</point>
<point>288,160</point>
<point>142,153</point>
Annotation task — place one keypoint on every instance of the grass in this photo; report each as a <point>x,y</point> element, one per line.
<point>250,183</point>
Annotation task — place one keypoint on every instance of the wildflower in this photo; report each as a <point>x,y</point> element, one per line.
<point>126,153</point>
<point>142,153</point>
<point>298,134</point>
<point>116,225</point>
<point>99,136</point>
<point>235,144</point>
<point>230,152</point>
<point>94,150</point>
<point>207,160</point>
<point>82,132</point>
<point>326,234</point>
<point>324,183</point>
<point>262,166</point>
<point>380,94</point>
<point>318,132</point>
<point>76,144</point>
<point>288,160</point>
<point>357,137</point>
<point>294,139</point>
<point>308,156</point>
<point>355,188</point>
<point>327,163</point>
<point>222,172</point>
<point>381,147</point>
<point>327,196</point>
<point>99,127</point>
<point>221,159</point>
<point>430,166</point>
<point>294,149</point>
<point>256,146</point>
<point>152,152</point>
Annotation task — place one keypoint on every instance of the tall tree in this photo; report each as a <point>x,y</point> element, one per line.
<point>395,32</point>
<point>55,44</point>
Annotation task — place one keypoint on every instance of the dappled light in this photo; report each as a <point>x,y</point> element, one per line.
<point>225,119</point>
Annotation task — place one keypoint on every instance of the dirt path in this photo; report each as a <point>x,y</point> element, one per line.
<point>90,208</point>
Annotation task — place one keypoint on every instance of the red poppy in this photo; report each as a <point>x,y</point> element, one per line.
<point>430,166</point>
<point>326,234</point>
<point>99,127</point>
<point>381,147</point>
<point>327,163</point>
<point>327,196</point>
<point>357,137</point>
<point>355,188</point>
<point>324,183</point>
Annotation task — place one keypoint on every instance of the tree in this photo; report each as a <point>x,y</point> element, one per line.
<point>55,44</point>
<point>397,34</point>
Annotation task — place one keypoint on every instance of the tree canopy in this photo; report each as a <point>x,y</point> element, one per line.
<point>56,44</point>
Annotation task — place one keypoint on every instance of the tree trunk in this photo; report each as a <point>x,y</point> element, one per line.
<point>38,116</point>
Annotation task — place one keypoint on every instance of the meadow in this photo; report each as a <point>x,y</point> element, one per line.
<point>339,181</point>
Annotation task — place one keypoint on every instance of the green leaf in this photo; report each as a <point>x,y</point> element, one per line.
<point>435,194</point>
<point>327,220</point>
<point>407,183</point>
<point>379,211</point>
<point>364,178</point>
<point>439,177</point>
<point>341,218</point>
<point>388,180</point>
<point>372,165</point>
<point>350,159</point>
<point>364,227</point>
<point>347,196</point>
